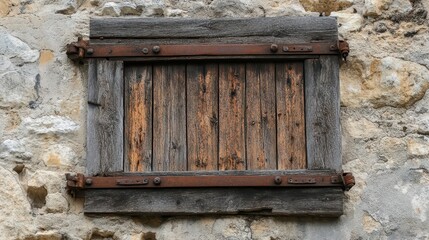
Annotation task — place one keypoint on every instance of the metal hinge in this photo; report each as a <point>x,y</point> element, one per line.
<point>83,49</point>
<point>78,182</point>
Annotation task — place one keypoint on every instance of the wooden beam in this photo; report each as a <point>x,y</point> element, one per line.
<point>322,202</point>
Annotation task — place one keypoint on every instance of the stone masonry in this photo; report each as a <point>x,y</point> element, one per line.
<point>385,122</point>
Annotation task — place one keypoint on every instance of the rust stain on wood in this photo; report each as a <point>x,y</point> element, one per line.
<point>138,120</point>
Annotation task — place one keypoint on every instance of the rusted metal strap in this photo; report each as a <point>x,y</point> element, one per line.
<point>84,49</point>
<point>81,182</point>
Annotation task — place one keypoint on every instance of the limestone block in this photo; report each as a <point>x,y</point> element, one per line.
<point>51,180</point>
<point>14,150</point>
<point>382,82</point>
<point>362,128</point>
<point>15,209</point>
<point>374,8</point>
<point>348,22</point>
<point>56,203</point>
<point>59,156</point>
<point>13,47</point>
<point>110,9</point>
<point>55,125</point>
<point>418,146</point>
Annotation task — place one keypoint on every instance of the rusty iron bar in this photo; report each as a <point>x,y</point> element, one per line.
<point>84,49</point>
<point>81,182</point>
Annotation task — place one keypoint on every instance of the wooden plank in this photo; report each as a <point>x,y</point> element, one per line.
<point>105,117</point>
<point>299,29</point>
<point>202,116</point>
<point>261,116</point>
<point>138,118</point>
<point>323,202</point>
<point>232,152</point>
<point>169,118</point>
<point>323,113</point>
<point>290,116</point>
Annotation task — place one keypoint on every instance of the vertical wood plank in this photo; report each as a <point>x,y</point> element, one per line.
<point>260,116</point>
<point>105,117</point>
<point>202,116</point>
<point>290,116</point>
<point>138,118</point>
<point>169,123</point>
<point>323,113</point>
<point>232,152</point>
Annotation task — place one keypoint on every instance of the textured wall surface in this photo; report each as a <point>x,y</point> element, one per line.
<point>385,122</point>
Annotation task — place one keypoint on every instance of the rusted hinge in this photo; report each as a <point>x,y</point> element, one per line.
<point>78,182</point>
<point>83,49</point>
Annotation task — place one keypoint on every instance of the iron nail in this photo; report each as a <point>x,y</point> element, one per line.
<point>157,181</point>
<point>89,51</point>
<point>277,180</point>
<point>274,48</point>
<point>156,49</point>
<point>88,181</point>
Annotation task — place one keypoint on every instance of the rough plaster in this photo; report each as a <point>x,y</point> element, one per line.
<point>385,118</point>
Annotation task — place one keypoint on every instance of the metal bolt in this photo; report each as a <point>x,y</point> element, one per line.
<point>274,48</point>
<point>278,180</point>
<point>156,49</point>
<point>285,49</point>
<point>89,51</point>
<point>157,181</point>
<point>145,50</point>
<point>88,181</point>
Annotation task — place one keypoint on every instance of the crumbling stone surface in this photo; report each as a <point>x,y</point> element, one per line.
<point>384,114</point>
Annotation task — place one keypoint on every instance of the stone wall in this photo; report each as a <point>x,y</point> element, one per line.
<point>385,120</point>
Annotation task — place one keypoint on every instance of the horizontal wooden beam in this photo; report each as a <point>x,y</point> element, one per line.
<point>322,202</point>
<point>298,29</point>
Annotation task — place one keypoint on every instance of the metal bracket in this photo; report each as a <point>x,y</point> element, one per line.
<point>83,49</point>
<point>79,182</point>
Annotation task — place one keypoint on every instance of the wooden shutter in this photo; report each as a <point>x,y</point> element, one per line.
<point>181,98</point>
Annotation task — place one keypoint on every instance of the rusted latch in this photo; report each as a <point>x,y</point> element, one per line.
<point>76,51</point>
<point>343,46</point>
<point>348,181</point>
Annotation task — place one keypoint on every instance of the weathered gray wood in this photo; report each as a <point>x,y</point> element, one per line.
<point>323,202</point>
<point>169,118</point>
<point>261,116</point>
<point>138,118</point>
<point>323,130</point>
<point>299,29</point>
<point>105,117</point>
<point>202,116</point>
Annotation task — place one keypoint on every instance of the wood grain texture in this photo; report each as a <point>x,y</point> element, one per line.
<point>323,202</point>
<point>232,150</point>
<point>297,29</point>
<point>291,152</point>
<point>169,118</point>
<point>323,113</point>
<point>202,116</point>
<point>105,117</point>
<point>261,116</point>
<point>138,118</point>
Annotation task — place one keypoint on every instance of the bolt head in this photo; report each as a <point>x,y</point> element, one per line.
<point>274,48</point>
<point>156,49</point>
<point>88,181</point>
<point>157,180</point>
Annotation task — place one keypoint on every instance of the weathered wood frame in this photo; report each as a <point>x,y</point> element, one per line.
<point>105,119</point>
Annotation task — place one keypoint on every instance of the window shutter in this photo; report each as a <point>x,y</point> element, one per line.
<point>223,116</point>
